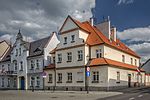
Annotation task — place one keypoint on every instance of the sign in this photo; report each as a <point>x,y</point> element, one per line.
<point>88,69</point>
<point>88,74</point>
<point>44,74</point>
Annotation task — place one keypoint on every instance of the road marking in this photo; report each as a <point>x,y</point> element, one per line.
<point>140,96</point>
<point>131,98</point>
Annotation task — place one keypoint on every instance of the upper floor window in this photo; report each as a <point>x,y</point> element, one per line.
<point>19,51</point>
<point>15,66</point>
<point>59,58</point>
<point>65,40</point>
<point>53,60</point>
<point>69,56</point>
<point>37,64</point>
<point>72,38</point>
<point>16,52</point>
<point>8,67</point>
<point>123,58</point>
<point>69,77</point>
<point>3,67</point>
<point>95,77</point>
<point>131,61</point>
<point>98,53</point>
<point>59,77</point>
<point>50,78</point>
<point>32,64</point>
<point>118,77</point>
<point>135,62</point>
<point>21,66</point>
<point>80,55</point>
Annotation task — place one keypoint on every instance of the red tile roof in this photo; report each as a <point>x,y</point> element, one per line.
<point>96,37</point>
<point>105,61</point>
<point>50,66</point>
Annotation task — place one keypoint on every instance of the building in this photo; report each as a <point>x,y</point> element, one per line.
<point>22,66</point>
<point>82,45</point>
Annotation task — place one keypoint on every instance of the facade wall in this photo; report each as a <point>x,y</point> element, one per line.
<point>116,55</point>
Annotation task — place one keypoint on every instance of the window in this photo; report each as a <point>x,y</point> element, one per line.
<point>59,78</point>
<point>2,82</point>
<point>3,68</point>
<point>59,58</point>
<point>8,67</point>
<point>32,64</point>
<point>131,61</point>
<point>80,77</point>
<point>123,58</point>
<point>8,83</point>
<point>118,77</point>
<point>54,60</point>
<point>32,81</point>
<point>19,51</point>
<point>15,66</point>
<point>69,78</point>
<point>21,66</point>
<point>80,55</point>
<point>72,38</point>
<point>37,81</point>
<point>95,77</point>
<point>50,80</point>
<point>135,63</point>
<point>15,82</point>
<point>98,53</point>
<point>69,56</point>
<point>16,52</point>
<point>37,64</point>
<point>65,40</point>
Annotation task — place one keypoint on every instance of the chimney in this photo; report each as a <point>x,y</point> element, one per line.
<point>113,34</point>
<point>92,21</point>
<point>104,27</point>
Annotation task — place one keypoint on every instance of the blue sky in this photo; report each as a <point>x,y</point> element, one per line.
<point>124,13</point>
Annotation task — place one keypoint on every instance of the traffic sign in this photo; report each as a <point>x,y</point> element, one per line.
<point>87,73</point>
<point>44,74</point>
<point>88,69</point>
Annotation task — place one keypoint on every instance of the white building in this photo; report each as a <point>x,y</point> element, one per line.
<point>112,64</point>
<point>22,66</point>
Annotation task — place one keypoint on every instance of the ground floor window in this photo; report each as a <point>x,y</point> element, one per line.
<point>15,82</point>
<point>69,77</point>
<point>32,81</point>
<point>59,77</point>
<point>50,78</point>
<point>8,83</point>
<point>2,82</point>
<point>95,77</point>
<point>37,81</point>
<point>80,77</point>
<point>118,77</point>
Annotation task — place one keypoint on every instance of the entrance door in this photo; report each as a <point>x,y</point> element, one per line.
<point>129,80</point>
<point>22,83</point>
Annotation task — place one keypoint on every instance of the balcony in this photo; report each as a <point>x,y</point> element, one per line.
<point>8,73</point>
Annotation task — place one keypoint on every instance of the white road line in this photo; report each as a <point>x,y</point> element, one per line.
<point>131,98</point>
<point>140,96</point>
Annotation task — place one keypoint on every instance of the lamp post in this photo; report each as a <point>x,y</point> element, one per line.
<point>87,71</point>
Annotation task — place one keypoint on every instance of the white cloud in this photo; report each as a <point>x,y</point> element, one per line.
<point>125,2</point>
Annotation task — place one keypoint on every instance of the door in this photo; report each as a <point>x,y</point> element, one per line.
<point>129,80</point>
<point>22,83</point>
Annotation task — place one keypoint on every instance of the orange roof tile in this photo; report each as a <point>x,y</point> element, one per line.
<point>50,66</point>
<point>105,61</point>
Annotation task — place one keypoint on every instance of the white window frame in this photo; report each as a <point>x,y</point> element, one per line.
<point>95,76</point>
<point>72,38</point>
<point>59,58</point>
<point>59,77</point>
<point>69,77</point>
<point>98,53</point>
<point>69,56</point>
<point>65,40</point>
<point>80,55</point>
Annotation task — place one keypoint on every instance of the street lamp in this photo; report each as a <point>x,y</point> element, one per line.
<point>87,74</point>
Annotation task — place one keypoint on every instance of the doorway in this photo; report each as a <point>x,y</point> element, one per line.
<point>129,80</point>
<point>22,83</point>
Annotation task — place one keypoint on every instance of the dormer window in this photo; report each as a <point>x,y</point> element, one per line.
<point>72,38</point>
<point>65,40</point>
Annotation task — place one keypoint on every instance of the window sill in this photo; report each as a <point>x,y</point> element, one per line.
<point>95,81</point>
<point>80,59</point>
<point>68,61</point>
<point>118,82</point>
<point>59,82</point>
<point>79,81</point>
<point>50,82</point>
<point>65,43</point>
<point>58,62</point>
<point>72,41</point>
<point>68,81</point>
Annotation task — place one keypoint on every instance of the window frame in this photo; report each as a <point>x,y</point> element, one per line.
<point>80,55</point>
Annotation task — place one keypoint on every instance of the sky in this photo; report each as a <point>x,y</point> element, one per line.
<point>39,18</point>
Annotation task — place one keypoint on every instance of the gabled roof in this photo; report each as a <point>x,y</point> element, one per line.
<point>7,55</point>
<point>4,47</point>
<point>105,61</point>
<point>37,47</point>
<point>96,37</point>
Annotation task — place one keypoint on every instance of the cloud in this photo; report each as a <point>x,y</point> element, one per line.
<point>38,18</point>
<point>138,40</point>
<point>125,2</point>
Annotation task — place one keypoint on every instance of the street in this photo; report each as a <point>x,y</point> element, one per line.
<point>126,94</point>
